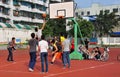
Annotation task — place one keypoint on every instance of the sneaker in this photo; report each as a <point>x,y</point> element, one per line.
<point>11,60</point>
<point>69,67</point>
<point>31,70</point>
<point>8,60</point>
<point>46,72</point>
<point>51,62</point>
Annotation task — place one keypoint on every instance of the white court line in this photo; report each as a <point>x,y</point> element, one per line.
<point>21,72</point>
<point>58,73</point>
<point>11,64</point>
<point>79,69</point>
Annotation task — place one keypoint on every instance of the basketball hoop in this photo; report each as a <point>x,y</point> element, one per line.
<point>60,17</point>
<point>61,10</point>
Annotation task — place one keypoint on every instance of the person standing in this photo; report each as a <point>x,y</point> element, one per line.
<point>43,48</point>
<point>32,51</point>
<point>11,48</point>
<point>86,43</point>
<point>66,45</point>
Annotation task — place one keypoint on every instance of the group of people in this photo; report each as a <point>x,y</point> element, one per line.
<point>94,54</point>
<point>60,48</point>
<point>56,47</point>
<point>38,40</point>
<point>38,45</point>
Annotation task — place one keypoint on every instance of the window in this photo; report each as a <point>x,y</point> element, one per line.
<point>5,11</point>
<point>15,2</point>
<point>44,8</point>
<point>1,9</point>
<point>115,10</point>
<point>88,12</point>
<point>82,13</point>
<point>101,11</point>
<point>76,13</point>
<point>5,1</point>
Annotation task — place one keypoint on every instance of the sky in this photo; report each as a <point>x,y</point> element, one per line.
<point>87,3</point>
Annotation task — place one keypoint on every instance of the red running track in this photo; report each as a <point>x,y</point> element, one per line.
<point>79,68</point>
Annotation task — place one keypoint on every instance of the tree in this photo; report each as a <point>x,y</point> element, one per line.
<point>86,28</point>
<point>55,27</point>
<point>105,22</point>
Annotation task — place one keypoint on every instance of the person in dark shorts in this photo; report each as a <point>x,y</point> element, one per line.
<point>86,43</point>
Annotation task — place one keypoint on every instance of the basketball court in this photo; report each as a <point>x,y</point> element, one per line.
<point>79,68</point>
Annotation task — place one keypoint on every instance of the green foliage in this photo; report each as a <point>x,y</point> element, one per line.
<point>86,28</point>
<point>54,27</point>
<point>105,22</point>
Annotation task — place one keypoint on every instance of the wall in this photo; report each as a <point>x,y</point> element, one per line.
<point>6,35</point>
<point>109,40</point>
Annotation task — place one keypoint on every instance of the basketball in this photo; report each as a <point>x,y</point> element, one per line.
<point>44,15</point>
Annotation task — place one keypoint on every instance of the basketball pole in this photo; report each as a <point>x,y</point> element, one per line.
<point>75,33</point>
<point>75,54</point>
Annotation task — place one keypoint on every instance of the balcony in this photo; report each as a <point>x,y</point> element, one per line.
<point>16,7</point>
<point>46,4</point>
<point>17,18</point>
<point>37,20</point>
<point>4,5</point>
<point>3,15</point>
<point>37,11</point>
<point>25,8</point>
<point>26,19</point>
<point>38,2</point>
<point>29,0</point>
<point>5,1</point>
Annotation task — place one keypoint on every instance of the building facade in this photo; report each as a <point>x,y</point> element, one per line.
<point>96,8</point>
<point>54,1</point>
<point>26,12</point>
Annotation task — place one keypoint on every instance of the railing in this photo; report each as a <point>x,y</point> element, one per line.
<point>25,8</point>
<point>109,40</point>
<point>37,20</point>
<point>38,11</point>
<point>3,15</point>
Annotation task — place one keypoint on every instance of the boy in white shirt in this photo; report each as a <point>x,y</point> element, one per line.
<point>43,48</point>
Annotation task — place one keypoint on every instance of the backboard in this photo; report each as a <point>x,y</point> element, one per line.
<point>64,9</point>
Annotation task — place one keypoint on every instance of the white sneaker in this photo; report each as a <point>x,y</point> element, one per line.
<point>31,70</point>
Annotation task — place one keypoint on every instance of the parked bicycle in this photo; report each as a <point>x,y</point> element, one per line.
<point>105,55</point>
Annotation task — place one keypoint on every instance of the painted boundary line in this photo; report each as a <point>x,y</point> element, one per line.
<point>79,69</point>
<point>20,72</point>
<point>11,63</point>
<point>57,73</point>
